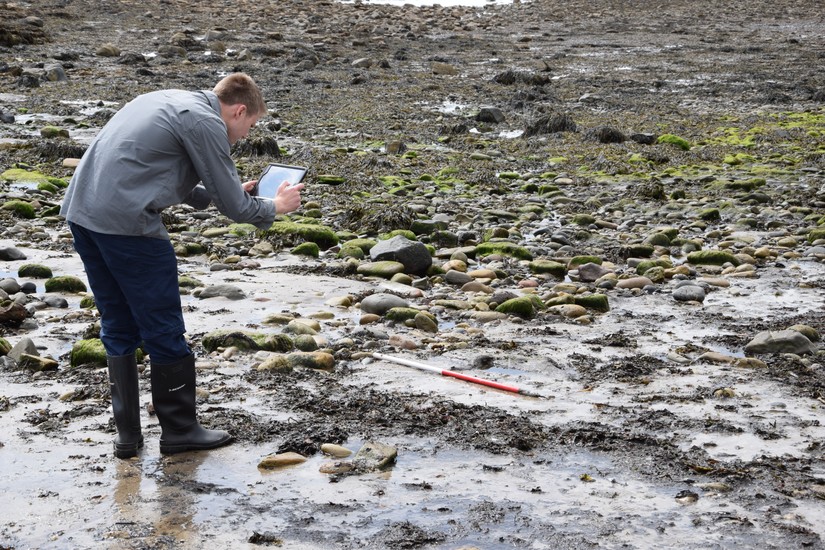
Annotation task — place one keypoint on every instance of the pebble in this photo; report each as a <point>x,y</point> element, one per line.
<point>402,342</point>
<point>455,277</point>
<point>336,467</point>
<point>381,303</point>
<point>282,460</point>
<point>477,286</point>
<point>634,282</point>
<point>689,293</point>
<point>569,311</point>
<point>781,341</point>
<point>335,450</point>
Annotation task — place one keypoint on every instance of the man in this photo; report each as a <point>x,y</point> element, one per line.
<point>161,149</point>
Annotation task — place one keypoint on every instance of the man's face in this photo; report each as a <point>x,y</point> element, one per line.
<point>238,122</point>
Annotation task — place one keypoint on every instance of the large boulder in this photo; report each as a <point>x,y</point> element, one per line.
<point>413,254</point>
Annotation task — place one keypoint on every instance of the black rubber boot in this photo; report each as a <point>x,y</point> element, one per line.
<point>173,394</point>
<point>123,382</point>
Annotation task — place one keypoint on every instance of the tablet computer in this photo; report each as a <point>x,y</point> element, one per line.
<point>273,176</point>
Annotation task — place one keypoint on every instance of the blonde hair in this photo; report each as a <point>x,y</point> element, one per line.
<point>239,88</point>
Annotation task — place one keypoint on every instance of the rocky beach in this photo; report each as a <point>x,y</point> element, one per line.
<point>614,209</point>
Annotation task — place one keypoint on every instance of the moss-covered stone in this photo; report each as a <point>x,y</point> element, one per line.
<point>302,326</point>
<point>351,252</point>
<point>19,208</point>
<point>385,269</point>
<point>561,299</point>
<point>51,132</point>
<point>65,283</point>
<point>816,234</point>
<point>597,302</point>
<point>658,239</point>
<point>426,322</point>
<point>646,265</point>
<point>312,360</point>
<point>48,187</point>
<point>711,257</point>
<point>576,261</point>
<point>5,347</point>
<point>305,342</point>
<point>321,235</point>
<point>638,251</point>
<point>193,249</point>
<point>245,340</point>
<point>34,271</point>
<point>395,232</point>
<point>656,274</point>
<point>185,281</point>
<point>503,248</point>
<point>279,319</point>
<point>307,249</point>
<point>522,306</point>
<point>583,219</point>
<point>275,363</point>
<point>330,179</point>
<point>61,183</point>
<point>402,314</point>
<point>710,215</point>
<point>675,140</point>
<point>242,229</point>
<point>20,175</point>
<point>363,244</point>
<point>88,302</point>
<point>88,352</point>
<point>556,269</point>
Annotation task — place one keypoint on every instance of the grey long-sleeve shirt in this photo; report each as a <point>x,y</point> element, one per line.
<point>152,154</point>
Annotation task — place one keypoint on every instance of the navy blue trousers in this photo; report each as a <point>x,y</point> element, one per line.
<point>135,285</point>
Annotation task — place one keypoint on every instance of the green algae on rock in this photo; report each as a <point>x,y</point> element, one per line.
<point>556,269</point>
<point>321,235</point>
<point>320,360</point>
<point>5,347</point>
<point>522,306</point>
<point>307,249</point>
<point>504,248</point>
<point>65,283</point>
<point>246,340</point>
<point>597,302</point>
<point>577,261</point>
<point>712,257</point>
<point>672,139</point>
<point>21,175</point>
<point>20,208</point>
<point>34,271</point>
<point>88,352</point>
<point>384,268</point>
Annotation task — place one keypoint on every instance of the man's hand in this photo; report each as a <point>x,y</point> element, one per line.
<point>249,186</point>
<point>288,197</point>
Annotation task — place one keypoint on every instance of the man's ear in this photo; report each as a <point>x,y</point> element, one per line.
<point>240,110</point>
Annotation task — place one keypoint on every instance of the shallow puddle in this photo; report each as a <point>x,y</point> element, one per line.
<point>217,495</point>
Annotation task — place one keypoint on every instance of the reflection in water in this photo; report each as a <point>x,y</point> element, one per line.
<point>162,511</point>
<point>127,485</point>
<point>175,495</point>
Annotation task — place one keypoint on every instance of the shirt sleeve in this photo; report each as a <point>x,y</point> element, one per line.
<point>208,148</point>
